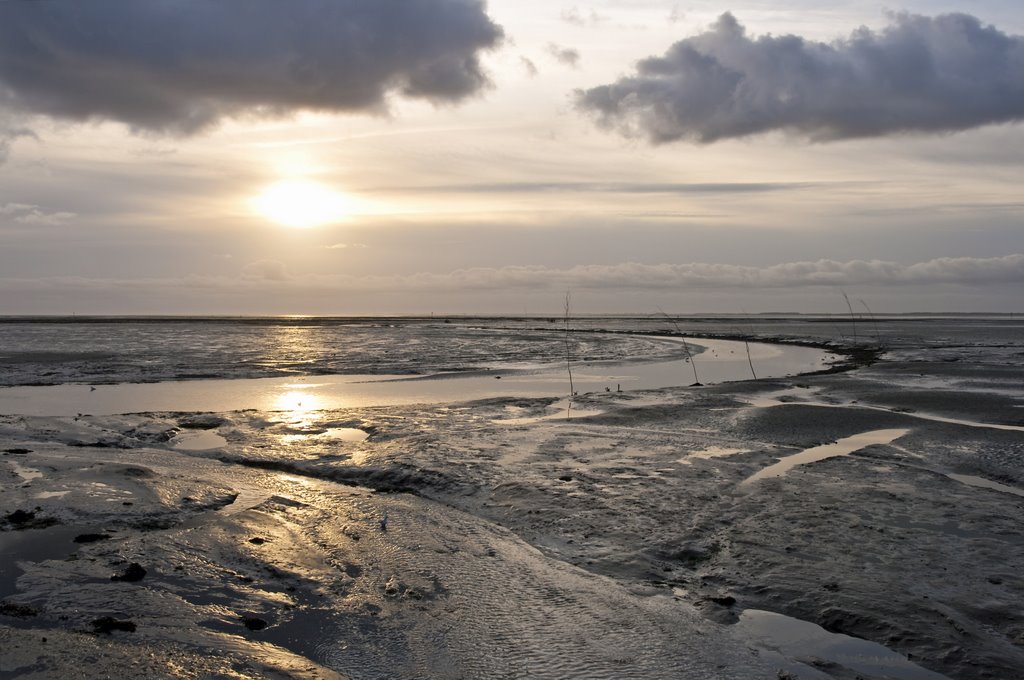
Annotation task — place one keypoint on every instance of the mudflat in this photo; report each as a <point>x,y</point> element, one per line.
<point>644,533</point>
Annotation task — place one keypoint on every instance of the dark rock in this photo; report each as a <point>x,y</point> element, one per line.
<point>254,622</point>
<point>18,611</point>
<point>29,519</point>
<point>257,540</point>
<point>91,538</point>
<point>134,573</point>
<point>108,624</point>
<point>565,478</point>
<point>201,422</point>
<point>18,452</point>
<point>724,600</point>
<point>693,554</point>
<point>20,517</point>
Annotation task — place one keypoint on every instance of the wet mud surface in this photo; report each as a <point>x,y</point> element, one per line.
<point>466,540</point>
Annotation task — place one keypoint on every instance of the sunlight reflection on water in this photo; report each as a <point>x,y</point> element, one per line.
<point>718,364</point>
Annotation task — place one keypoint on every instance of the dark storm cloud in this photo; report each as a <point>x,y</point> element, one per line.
<point>180,66</point>
<point>920,74</point>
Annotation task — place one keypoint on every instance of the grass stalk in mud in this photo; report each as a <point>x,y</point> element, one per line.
<point>853,319</point>
<point>686,348</point>
<point>749,332</point>
<point>568,352</point>
<point>874,322</point>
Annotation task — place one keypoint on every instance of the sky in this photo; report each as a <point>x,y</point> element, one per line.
<point>461,157</point>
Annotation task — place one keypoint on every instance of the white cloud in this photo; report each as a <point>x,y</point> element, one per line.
<point>564,55</point>
<point>920,74</point>
<point>964,271</point>
<point>266,270</point>
<point>573,15</point>
<point>24,213</point>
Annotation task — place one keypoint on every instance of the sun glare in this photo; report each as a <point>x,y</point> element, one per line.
<point>301,204</point>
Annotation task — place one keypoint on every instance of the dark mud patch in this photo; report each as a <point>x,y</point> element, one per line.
<point>91,538</point>
<point>17,611</point>
<point>24,520</point>
<point>108,624</point>
<point>133,573</point>
<point>392,479</point>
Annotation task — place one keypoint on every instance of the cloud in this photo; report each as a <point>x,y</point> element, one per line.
<point>634,276</point>
<point>268,275</point>
<point>266,270</point>
<point>564,55</point>
<point>529,67</point>
<point>920,74</point>
<point>178,67</point>
<point>24,213</point>
<point>344,246</point>
<point>574,16</point>
<point>10,130</point>
<point>622,187</point>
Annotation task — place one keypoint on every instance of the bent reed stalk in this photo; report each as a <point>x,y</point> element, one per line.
<point>878,337</point>
<point>568,353</point>
<point>853,320</point>
<point>686,348</point>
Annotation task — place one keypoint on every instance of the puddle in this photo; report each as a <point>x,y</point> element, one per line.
<point>770,399</point>
<point>26,473</point>
<point>723,361</point>
<point>843,447</point>
<point>801,639</point>
<point>51,494</point>
<point>790,395</point>
<point>563,410</point>
<point>346,434</point>
<point>32,545</point>
<point>709,453</point>
<point>207,440</point>
<point>349,435</point>
<point>983,483</point>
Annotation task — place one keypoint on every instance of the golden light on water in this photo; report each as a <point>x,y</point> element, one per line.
<point>301,204</point>
<point>298,403</point>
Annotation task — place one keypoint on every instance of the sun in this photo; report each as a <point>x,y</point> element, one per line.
<point>301,204</point>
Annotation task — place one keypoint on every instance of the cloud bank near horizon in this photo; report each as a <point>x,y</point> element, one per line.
<point>177,68</point>
<point>962,271</point>
<point>918,75</point>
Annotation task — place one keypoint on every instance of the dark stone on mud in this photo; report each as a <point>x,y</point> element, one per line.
<point>18,452</point>
<point>257,540</point>
<point>201,422</point>
<point>91,538</point>
<point>134,573</point>
<point>831,587</point>
<point>18,611</point>
<point>21,520</point>
<point>254,622</point>
<point>724,600</point>
<point>693,554</point>
<point>836,620</point>
<point>20,517</point>
<point>565,478</point>
<point>108,624</point>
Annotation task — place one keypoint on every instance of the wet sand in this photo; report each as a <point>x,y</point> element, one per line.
<point>467,540</point>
